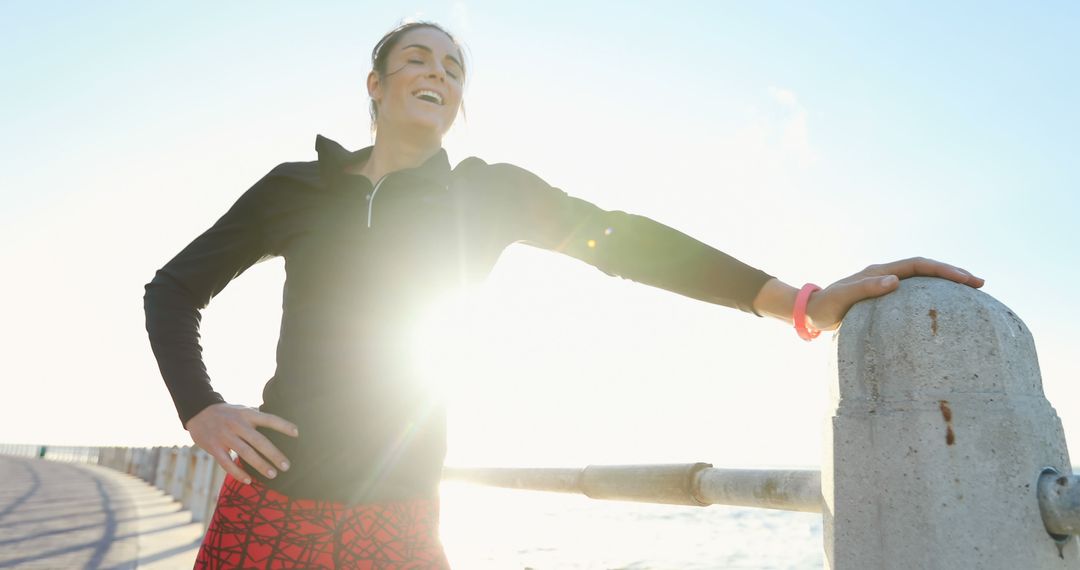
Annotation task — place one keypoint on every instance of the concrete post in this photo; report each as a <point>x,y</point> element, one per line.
<point>940,433</point>
<point>149,464</point>
<point>201,479</point>
<point>216,481</point>
<point>160,478</point>
<point>180,486</point>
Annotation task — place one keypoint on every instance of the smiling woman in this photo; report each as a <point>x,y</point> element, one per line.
<point>340,465</point>
<point>400,76</point>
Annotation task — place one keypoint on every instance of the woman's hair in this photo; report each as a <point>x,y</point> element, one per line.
<point>381,53</point>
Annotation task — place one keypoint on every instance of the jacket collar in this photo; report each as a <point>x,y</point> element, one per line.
<point>333,158</point>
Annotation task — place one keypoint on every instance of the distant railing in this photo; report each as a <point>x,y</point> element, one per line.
<point>188,474</point>
<point>943,452</point>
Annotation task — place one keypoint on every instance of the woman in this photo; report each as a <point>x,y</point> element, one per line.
<point>340,465</point>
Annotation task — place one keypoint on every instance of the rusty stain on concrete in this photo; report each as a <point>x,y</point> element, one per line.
<point>946,412</point>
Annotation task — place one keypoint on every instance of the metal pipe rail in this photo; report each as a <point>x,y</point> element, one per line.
<point>694,484</point>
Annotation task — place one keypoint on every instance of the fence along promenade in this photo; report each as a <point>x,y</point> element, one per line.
<point>943,451</point>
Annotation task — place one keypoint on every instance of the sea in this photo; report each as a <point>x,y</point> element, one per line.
<point>488,528</point>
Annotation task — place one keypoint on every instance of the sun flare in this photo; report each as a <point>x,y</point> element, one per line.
<point>449,339</point>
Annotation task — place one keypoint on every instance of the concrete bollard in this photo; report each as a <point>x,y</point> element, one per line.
<point>171,466</point>
<point>940,434</point>
<point>180,475</point>
<point>148,464</point>
<point>201,479</point>
<point>161,475</point>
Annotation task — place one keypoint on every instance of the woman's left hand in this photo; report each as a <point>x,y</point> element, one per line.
<point>827,307</point>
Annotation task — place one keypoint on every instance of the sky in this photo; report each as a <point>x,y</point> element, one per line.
<point>809,140</point>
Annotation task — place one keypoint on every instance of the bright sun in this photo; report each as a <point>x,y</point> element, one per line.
<point>448,338</point>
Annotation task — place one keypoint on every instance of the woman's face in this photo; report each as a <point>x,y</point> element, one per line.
<point>422,87</point>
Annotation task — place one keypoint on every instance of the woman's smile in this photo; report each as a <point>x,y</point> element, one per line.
<point>429,96</point>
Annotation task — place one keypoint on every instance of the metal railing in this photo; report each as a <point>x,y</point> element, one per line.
<point>693,484</point>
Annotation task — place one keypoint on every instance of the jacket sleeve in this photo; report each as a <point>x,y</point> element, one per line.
<point>629,246</point>
<point>185,285</point>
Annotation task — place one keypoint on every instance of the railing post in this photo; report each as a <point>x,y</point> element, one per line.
<point>167,469</point>
<point>201,479</point>
<point>151,463</point>
<point>217,479</point>
<point>940,434</point>
<point>180,476</point>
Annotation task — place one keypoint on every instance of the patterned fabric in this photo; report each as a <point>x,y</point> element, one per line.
<point>257,527</point>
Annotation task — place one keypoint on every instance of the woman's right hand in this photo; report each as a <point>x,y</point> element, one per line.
<point>219,428</point>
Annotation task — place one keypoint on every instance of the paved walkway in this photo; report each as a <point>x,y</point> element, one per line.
<point>71,516</point>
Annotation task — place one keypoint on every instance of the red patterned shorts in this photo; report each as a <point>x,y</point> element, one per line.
<point>257,527</point>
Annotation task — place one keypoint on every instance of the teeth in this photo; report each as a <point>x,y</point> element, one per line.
<point>435,97</point>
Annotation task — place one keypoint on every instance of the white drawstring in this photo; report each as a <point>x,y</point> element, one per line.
<point>371,200</point>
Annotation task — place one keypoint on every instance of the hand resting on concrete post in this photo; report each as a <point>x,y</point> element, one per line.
<point>827,307</point>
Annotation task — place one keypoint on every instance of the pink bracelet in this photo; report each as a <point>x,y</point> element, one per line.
<point>799,314</point>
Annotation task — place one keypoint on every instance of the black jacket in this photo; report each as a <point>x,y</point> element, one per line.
<point>361,263</point>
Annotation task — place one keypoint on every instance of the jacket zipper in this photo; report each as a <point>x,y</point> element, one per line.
<point>371,199</point>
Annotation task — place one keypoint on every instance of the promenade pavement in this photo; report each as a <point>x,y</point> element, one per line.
<point>73,516</point>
